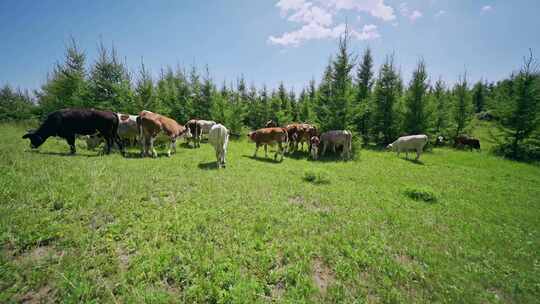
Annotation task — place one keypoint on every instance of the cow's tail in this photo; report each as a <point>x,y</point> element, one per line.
<point>115,135</point>
<point>286,149</point>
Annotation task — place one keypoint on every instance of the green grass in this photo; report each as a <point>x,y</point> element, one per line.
<point>108,229</point>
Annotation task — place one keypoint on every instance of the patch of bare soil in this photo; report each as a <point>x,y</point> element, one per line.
<point>312,205</point>
<point>322,275</point>
<point>45,294</point>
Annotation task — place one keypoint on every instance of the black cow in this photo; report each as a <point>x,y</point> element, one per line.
<point>465,141</point>
<point>67,123</point>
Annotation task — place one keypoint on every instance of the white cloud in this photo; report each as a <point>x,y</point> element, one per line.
<point>406,12</point>
<point>486,8</point>
<point>309,13</point>
<point>440,13</point>
<point>376,8</point>
<point>317,19</point>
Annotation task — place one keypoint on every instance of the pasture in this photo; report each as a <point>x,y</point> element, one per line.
<point>458,227</point>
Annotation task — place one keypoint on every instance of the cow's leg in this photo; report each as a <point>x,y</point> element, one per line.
<point>153,150</point>
<point>280,151</point>
<point>256,149</point>
<point>71,142</point>
<point>418,151</point>
<point>142,142</point>
<point>323,148</point>
<point>265,150</point>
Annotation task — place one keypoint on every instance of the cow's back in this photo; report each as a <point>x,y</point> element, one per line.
<point>84,121</point>
<point>270,135</point>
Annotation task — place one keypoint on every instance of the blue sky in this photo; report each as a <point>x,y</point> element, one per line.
<point>270,41</point>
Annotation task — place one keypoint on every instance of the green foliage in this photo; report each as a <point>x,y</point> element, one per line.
<point>421,194</point>
<point>442,105</point>
<point>15,104</point>
<point>479,96</point>
<point>362,105</point>
<point>316,176</point>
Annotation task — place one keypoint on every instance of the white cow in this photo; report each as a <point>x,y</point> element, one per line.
<point>337,138</point>
<point>406,143</point>
<point>205,126</point>
<point>218,137</point>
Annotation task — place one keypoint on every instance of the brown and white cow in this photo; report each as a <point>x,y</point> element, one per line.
<point>337,138</point>
<point>300,133</point>
<point>269,136</point>
<point>151,125</point>
<point>314,143</point>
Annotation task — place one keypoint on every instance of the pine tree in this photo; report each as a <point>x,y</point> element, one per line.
<point>67,87</point>
<point>416,115</point>
<point>204,106</point>
<point>385,98</point>
<point>253,118</point>
<point>220,105</point>
<point>265,106</point>
<point>195,94</point>
<point>294,105</point>
<point>462,105</point>
<point>144,91</point>
<point>362,107</point>
<point>15,104</point>
<point>285,113</point>
<point>110,83</point>
<point>519,112</point>
<point>339,105</point>
<point>304,104</point>
<point>324,98</point>
<point>275,108</point>
<point>441,107</point>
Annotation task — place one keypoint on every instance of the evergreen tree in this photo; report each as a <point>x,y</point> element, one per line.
<point>144,92</point>
<point>304,104</point>
<point>220,105</point>
<point>110,83</point>
<point>324,98</point>
<point>462,105</point>
<point>67,87</point>
<point>265,106</point>
<point>275,108</point>
<point>441,106</point>
<point>339,105</point>
<point>253,118</point>
<point>519,112</point>
<point>195,94</point>
<point>416,115</point>
<point>385,98</point>
<point>204,106</point>
<point>362,108</point>
<point>294,106</point>
<point>285,113</point>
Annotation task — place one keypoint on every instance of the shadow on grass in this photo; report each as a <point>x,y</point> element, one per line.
<point>66,154</point>
<point>208,166</point>
<point>298,154</point>
<point>270,160</point>
<point>414,161</point>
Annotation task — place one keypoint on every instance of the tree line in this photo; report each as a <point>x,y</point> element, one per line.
<point>376,105</point>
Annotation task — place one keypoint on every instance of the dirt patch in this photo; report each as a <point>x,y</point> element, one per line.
<point>500,295</point>
<point>277,291</point>
<point>311,205</point>
<point>38,254</point>
<point>322,275</point>
<point>123,258</point>
<point>43,295</point>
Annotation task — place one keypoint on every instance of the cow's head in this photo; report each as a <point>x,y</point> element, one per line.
<point>35,140</point>
<point>390,147</point>
<point>92,141</point>
<point>252,135</point>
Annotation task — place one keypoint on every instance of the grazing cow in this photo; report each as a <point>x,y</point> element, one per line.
<point>195,133</point>
<point>406,143</point>
<point>337,138</point>
<point>127,132</point>
<point>466,141</point>
<point>68,123</point>
<point>268,136</point>
<point>270,124</point>
<point>218,137</point>
<point>314,143</point>
<point>205,126</point>
<point>305,133</point>
<point>299,133</point>
<point>151,124</point>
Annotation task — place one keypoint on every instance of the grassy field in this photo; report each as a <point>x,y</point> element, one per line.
<point>459,227</point>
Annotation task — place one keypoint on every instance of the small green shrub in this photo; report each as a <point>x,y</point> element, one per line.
<point>421,194</point>
<point>316,176</point>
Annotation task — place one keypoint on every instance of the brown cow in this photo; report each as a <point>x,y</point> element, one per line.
<point>268,136</point>
<point>151,124</point>
<point>314,143</point>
